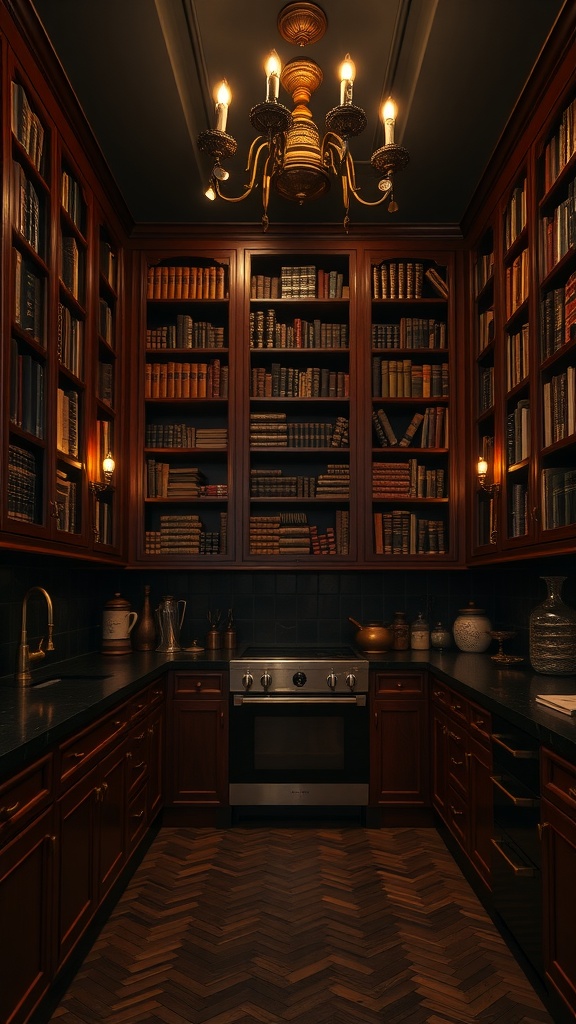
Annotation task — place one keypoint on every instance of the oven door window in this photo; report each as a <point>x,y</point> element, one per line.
<point>303,743</point>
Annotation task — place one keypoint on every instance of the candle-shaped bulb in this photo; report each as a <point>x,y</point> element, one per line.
<point>482,468</point>
<point>389,120</point>
<point>347,76</point>
<point>108,466</point>
<point>223,97</point>
<point>273,68</point>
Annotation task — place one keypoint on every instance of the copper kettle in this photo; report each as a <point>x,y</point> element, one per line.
<point>373,638</point>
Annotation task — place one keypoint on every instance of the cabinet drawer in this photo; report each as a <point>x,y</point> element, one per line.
<point>440,694</point>
<point>25,795</point>
<point>137,816</point>
<point>404,683</point>
<point>457,757</point>
<point>81,750</point>
<point>559,781</point>
<point>203,683</point>
<point>148,698</point>
<point>137,755</point>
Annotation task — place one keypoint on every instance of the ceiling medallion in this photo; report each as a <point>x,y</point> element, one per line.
<point>288,153</point>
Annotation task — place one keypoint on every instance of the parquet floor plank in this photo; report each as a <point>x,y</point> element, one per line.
<point>307,926</point>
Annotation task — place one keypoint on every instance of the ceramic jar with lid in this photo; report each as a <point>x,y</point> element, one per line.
<point>440,637</point>
<point>400,632</point>
<point>118,621</point>
<point>420,634</point>
<point>471,629</point>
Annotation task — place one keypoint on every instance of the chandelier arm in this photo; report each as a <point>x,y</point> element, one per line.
<point>254,152</point>
<point>350,175</point>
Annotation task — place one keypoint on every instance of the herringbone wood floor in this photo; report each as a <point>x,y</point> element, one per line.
<point>314,926</point>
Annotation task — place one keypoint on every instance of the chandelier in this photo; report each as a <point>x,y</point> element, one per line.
<point>288,151</point>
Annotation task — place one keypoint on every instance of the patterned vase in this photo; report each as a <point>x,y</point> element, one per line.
<point>553,632</point>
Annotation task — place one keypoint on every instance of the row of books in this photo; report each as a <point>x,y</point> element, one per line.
<point>184,435</point>
<point>269,483</point>
<point>484,269</point>
<point>410,332</point>
<point>66,507</point>
<point>167,481</point>
<point>558,497</point>
<point>67,422</point>
<point>105,383</point>
<point>516,283</point>
<point>108,262</point>
<point>27,126</point>
<point>558,318</point>
<point>191,283</point>
<point>274,430</point>
<point>72,258</point>
<point>185,333</point>
<point>106,322</point>
<point>404,279</point>
<point>27,378</point>
<point>517,356</point>
<point>559,401</point>
<point>403,533</point>
<point>518,433</point>
<point>70,341</point>
<point>561,146</point>
<point>559,230</point>
<point>299,282</point>
<point>289,382</point>
<point>103,521</point>
<point>267,332</point>
<point>28,298</point>
<point>518,521</point>
<point>27,210</point>
<point>515,214</point>
<point>22,477</point>
<point>485,387</point>
<point>186,535</point>
<point>485,329</point>
<point>401,378</point>
<point>409,479</point>
<point>290,533</point>
<point>186,380</point>
<point>433,425</point>
<point>72,200</point>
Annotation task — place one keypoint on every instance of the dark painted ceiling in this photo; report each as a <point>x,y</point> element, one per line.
<point>144,72</point>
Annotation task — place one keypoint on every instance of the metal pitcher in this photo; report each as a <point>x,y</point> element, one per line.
<point>169,621</point>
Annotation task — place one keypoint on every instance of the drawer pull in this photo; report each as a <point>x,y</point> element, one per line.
<point>520,870</point>
<point>139,765</point>
<point>77,755</point>
<point>518,801</point>
<point>7,812</point>
<point>138,739</point>
<point>456,813</point>
<point>542,828</point>
<point>457,764</point>
<point>572,792</point>
<point>138,815</point>
<point>453,736</point>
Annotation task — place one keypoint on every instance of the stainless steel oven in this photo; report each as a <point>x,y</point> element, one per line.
<point>299,727</point>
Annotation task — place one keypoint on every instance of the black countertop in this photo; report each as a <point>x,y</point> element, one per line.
<point>34,718</point>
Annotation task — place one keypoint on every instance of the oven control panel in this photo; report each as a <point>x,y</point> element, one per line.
<point>290,675</point>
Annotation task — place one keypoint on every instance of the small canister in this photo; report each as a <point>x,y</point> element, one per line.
<point>420,634</point>
<point>440,637</point>
<point>401,632</point>
<point>472,629</point>
<point>213,639</point>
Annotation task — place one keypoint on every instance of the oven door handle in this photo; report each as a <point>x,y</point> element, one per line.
<point>359,700</point>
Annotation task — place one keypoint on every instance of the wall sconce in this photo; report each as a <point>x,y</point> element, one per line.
<point>493,490</point>
<point>108,467</point>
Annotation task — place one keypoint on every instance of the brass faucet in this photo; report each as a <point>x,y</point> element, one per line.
<point>23,674</point>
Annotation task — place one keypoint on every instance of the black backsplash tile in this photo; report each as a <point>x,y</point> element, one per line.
<point>268,607</point>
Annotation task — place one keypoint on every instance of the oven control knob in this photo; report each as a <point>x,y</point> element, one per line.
<point>247,680</point>
<point>351,680</point>
<point>299,678</point>
<point>332,680</point>
<point>265,680</point>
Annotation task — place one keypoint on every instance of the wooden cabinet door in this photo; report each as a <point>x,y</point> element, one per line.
<point>480,802</point>
<point>26,888</point>
<point>399,752</point>
<point>110,833</point>
<point>155,726</point>
<point>77,882</point>
<point>439,759</point>
<point>198,748</point>
<point>559,872</point>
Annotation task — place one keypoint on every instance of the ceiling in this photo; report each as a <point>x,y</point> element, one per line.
<point>144,72</point>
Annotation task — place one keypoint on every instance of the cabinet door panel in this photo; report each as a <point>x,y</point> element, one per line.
<point>198,750</point>
<point>559,871</point>
<point>77,885</point>
<point>400,752</point>
<point>111,823</point>
<point>26,886</point>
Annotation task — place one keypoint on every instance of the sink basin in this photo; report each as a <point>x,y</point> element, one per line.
<point>79,677</point>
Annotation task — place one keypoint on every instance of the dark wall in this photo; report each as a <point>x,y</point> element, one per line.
<point>279,607</point>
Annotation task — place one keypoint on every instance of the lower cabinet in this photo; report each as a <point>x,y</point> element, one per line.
<point>558,831</point>
<point>461,770</point>
<point>26,914</point>
<point>399,740</point>
<point>198,740</point>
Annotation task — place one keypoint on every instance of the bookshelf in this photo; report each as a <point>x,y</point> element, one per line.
<point>411,406</point>
<point>187,388</point>
<point>299,398</point>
